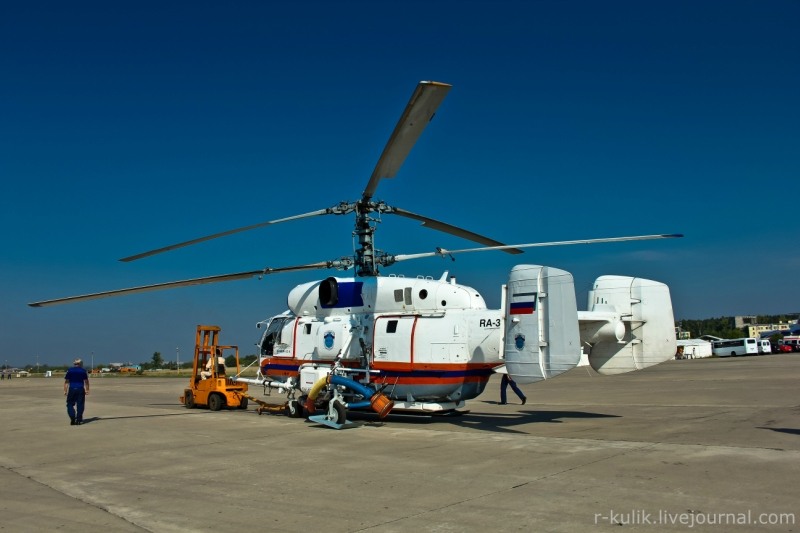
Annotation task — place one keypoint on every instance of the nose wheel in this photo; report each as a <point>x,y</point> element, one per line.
<point>294,409</point>
<point>335,417</point>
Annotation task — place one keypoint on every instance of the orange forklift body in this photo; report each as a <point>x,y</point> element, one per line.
<point>209,384</point>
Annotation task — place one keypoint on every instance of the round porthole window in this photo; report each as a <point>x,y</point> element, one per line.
<point>423,294</point>
<point>444,303</point>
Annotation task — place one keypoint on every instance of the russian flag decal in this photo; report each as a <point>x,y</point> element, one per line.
<point>525,304</point>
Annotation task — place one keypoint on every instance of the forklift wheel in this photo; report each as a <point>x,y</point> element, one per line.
<point>215,402</point>
<point>188,399</point>
<point>243,403</point>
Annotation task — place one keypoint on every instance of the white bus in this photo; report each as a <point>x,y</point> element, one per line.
<point>744,346</point>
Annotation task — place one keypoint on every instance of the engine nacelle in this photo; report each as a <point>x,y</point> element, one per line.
<point>541,333</point>
<point>629,324</point>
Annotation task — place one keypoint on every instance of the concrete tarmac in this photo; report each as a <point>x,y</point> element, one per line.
<point>699,445</point>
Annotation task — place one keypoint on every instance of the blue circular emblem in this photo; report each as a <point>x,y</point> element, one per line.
<point>328,339</point>
<point>519,341</point>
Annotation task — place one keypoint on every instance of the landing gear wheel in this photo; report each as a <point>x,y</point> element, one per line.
<point>341,412</point>
<point>188,399</point>
<point>295,409</point>
<point>302,401</point>
<point>215,402</point>
<point>243,404</point>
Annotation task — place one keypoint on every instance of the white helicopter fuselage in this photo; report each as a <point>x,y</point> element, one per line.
<point>421,339</point>
<point>431,344</point>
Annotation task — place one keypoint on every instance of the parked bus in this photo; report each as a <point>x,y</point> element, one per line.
<point>743,346</point>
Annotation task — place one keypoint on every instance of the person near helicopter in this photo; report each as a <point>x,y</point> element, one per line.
<point>504,383</point>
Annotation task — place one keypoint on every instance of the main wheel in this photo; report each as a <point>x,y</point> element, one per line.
<point>215,402</point>
<point>188,399</point>
<point>243,403</point>
<point>341,412</point>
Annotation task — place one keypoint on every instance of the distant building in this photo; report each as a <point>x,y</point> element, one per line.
<point>740,322</point>
<point>767,330</point>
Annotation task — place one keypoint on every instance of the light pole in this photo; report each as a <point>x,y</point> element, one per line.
<point>178,358</point>
<point>92,361</point>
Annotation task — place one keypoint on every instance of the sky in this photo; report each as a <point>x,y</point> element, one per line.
<point>127,126</point>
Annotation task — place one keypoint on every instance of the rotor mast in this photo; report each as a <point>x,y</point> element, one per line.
<point>365,264</point>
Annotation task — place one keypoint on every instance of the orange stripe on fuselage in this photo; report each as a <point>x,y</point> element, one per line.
<point>467,372</point>
<point>432,373</point>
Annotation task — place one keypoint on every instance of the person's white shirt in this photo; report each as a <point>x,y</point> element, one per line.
<point>205,374</point>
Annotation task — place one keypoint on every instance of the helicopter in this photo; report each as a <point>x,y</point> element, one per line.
<point>386,342</point>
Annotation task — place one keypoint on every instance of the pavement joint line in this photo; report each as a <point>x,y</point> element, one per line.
<point>73,497</point>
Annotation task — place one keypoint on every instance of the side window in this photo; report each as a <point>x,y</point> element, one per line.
<point>398,295</point>
<point>407,295</point>
<point>391,326</point>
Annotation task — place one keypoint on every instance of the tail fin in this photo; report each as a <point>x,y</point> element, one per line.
<point>541,333</point>
<point>629,324</point>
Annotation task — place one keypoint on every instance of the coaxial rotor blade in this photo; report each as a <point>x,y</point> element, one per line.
<point>443,252</point>
<point>453,230</point>
<point>182,283</point>
<point>419,111</point>
<point>222,234</point>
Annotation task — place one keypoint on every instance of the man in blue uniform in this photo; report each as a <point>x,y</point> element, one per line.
<point>505,382</point>
<point>76,387</point>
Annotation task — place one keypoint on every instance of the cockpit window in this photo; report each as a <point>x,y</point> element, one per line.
<point>272,335</point>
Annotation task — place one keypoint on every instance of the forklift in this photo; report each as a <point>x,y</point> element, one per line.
<point>209,385</point>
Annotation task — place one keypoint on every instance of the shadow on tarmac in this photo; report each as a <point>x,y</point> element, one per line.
<point>501,423</point>
<point>790,431</point>
<point>506,423</point>
<point>102,418</point>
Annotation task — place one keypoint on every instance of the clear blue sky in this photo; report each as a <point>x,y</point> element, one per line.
<point>126,126</point>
